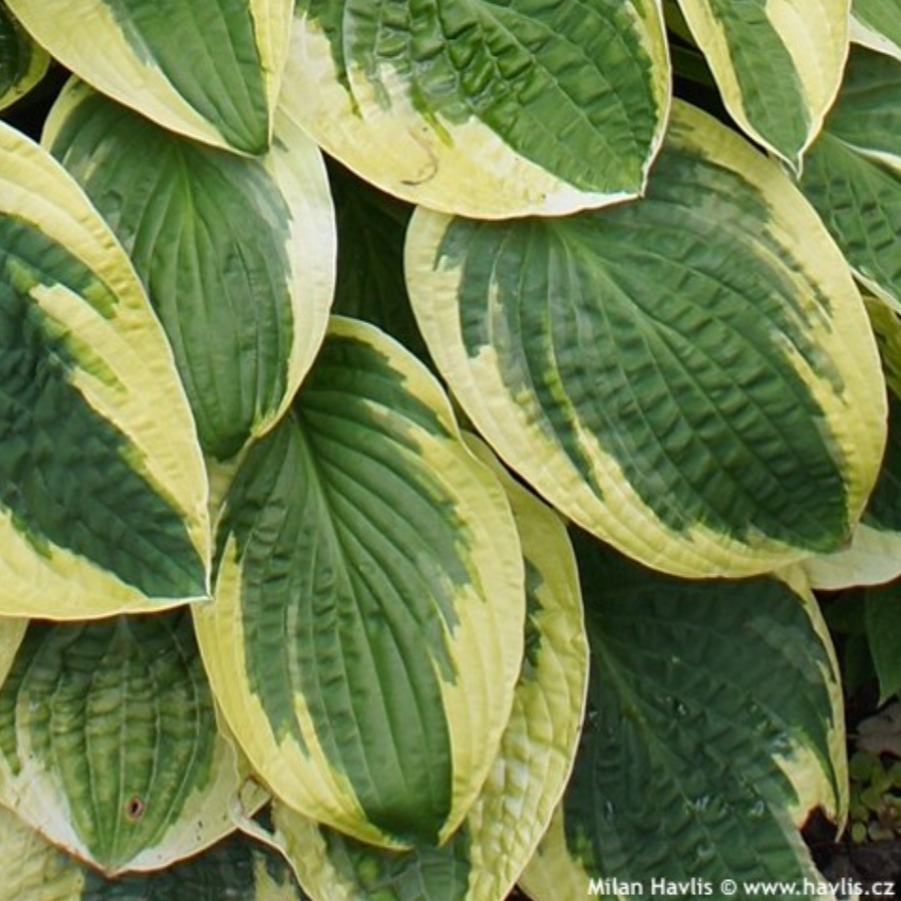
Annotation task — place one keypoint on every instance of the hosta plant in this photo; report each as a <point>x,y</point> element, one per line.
<point>422,432</point>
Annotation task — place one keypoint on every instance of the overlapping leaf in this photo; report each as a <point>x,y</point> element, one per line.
<point>109,744</point>
<point>102,487</point>
<point>877,24</point>
<point>852,175</point>
<point>874,553</point>
<point>692,377</point>
<point>778,64</point>
<point>714,727</point>
<point>238,255</point>
<point>208,69</point>
<point>237,869</point>
<point>368,627</point>
<point>484,857</point>
<point>22,62</point>
<point>482,108</point>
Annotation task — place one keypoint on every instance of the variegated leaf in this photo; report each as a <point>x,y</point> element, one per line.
<point>484,857</point>
<point>238,255</point>
<point>367,631</point>
<point>691,377</point>
<point>236,869</point>
<point>852,175</point>
<point>877,24</point>
<point>482,108</point>
<point>714,727</point>
<point>778,64</point>
<point>109,744</point>
<point>874,554</point>
<point>23,63</point>
<point>102,488</point>
<point>209,69</point>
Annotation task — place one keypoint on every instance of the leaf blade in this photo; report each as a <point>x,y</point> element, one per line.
<point>215,81</point>
<point>238,255</point>
<point>484,857</point>
<point>778,65</point>
<point>466,101</point>
<point>364,530</point>
<point>139,776</point>
<point>75,313</point>
<point>729,782</point>
<point>566,344</point>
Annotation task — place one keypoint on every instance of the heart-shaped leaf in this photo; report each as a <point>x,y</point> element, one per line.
<point>367,633</point>
<point>692,376</point>
<point>484,857</point>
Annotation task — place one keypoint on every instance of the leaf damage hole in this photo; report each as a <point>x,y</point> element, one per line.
<point>134,808</point>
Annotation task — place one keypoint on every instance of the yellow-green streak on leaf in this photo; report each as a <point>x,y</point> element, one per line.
<point>237,868</point>
<point>708,730</point>
<point>778,64</point>
<point>23,63</point>
<point>874,554</point>
<point>238,255</point>
<point>12,631</point>
<point>877,24</point>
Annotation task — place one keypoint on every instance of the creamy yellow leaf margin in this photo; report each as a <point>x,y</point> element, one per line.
<point>298,168</point>
<point>512,424</point>
<point>305,779</point>
<point>814,33</point>
<point>146,400</point>
<point>37,793</point>
<point>873,556</point>
<point>465,168</point>
<point>85,36</point>
<point>537,751</point>
<point>813,787</point>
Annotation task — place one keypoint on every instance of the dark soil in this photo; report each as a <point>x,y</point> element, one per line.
<point>870,864</point>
